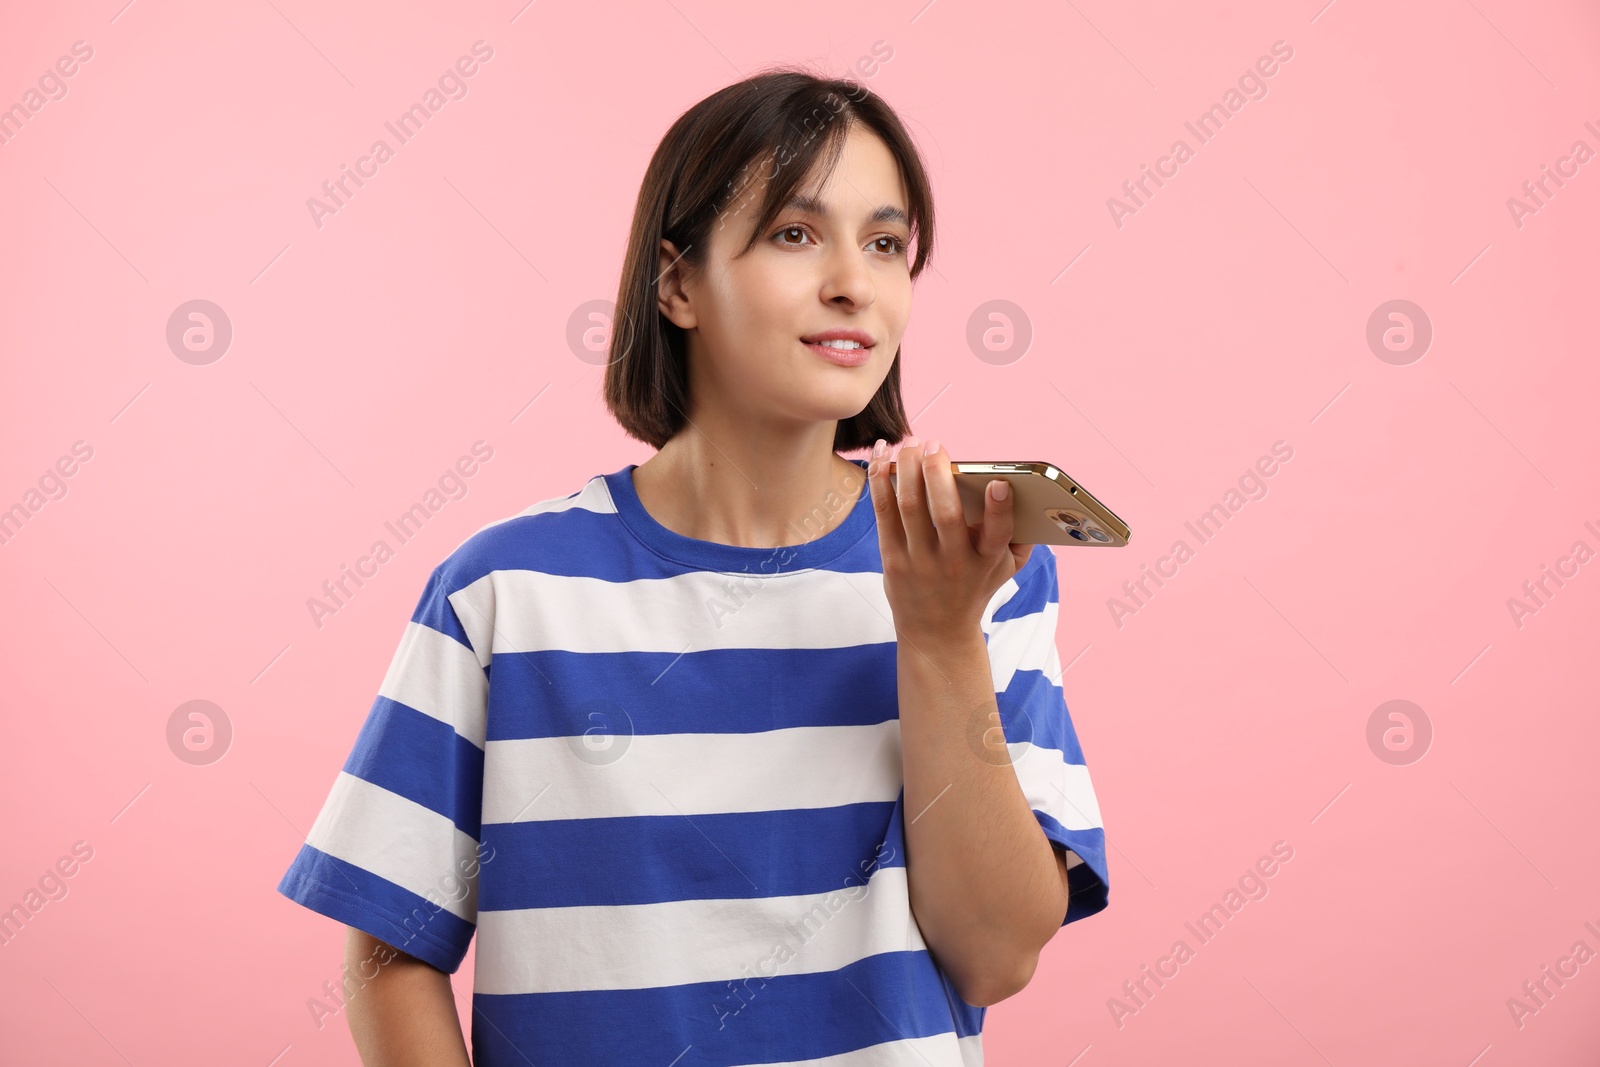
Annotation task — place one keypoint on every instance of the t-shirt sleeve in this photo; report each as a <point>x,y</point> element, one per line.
<point>395,849</point>
<point>1039,734</point>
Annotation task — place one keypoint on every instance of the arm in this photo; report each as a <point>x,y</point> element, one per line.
<point>987,887</point>
<point>405,1015</point>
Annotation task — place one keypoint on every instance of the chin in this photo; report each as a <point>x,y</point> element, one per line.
<point>833,409</point>
<point>820,393</point>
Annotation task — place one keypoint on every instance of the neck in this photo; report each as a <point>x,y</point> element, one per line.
<point>762,489</point>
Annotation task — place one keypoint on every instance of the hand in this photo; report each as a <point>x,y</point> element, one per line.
<point>938,572</point>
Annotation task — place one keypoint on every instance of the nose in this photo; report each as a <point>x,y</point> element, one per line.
<point>848,279</point>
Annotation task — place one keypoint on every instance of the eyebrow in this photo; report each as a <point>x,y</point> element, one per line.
<point>812,206</point>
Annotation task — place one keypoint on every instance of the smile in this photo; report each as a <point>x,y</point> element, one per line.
<point>840,352</point>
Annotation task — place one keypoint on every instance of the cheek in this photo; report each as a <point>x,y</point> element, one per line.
<point>742,296</point>
<point>900,288</point>
<point>894,304</point>
<point>767,306</point>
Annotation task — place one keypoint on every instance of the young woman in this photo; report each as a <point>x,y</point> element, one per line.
<point>743,754</point>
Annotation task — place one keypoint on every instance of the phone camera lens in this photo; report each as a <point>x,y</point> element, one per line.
<point>1098,536</point>
<point>1078,534</point>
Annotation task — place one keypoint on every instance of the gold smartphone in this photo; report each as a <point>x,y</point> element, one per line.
<point>1050,508</point>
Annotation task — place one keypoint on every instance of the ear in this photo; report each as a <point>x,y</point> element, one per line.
<point>671,297</point>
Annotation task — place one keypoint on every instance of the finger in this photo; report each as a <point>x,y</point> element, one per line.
<point>921,537</point>
<point>998,518</point>
<point>944,501</point>
<point>891,537</point>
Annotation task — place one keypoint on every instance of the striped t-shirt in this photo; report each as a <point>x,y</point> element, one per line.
<point>660,779</point>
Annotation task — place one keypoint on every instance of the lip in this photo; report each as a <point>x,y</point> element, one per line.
<point>844,357</point>
<point>859,336</point>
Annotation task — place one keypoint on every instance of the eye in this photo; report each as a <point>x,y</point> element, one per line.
<point>778,236</point>
<point>783,237</point>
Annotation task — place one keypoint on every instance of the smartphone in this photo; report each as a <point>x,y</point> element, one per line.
<point>1050,508</point>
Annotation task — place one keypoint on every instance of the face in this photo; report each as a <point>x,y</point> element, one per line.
<point>833,262</point>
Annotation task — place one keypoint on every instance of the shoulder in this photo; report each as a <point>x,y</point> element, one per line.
<point>548,537</point>
<point>1031,589</point>
<point>529,539</point>
<point>1041,567</point>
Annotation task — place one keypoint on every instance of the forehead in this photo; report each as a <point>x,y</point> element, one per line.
<point>865,186</point>
<point>865,178</point>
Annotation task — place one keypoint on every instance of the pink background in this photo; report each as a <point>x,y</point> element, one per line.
<point>1228,313</point>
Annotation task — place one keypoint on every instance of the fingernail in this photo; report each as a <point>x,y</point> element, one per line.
<point>908,442</point>
<point>933,447</point>
<point>879,448</point>
<point>1002,489</point>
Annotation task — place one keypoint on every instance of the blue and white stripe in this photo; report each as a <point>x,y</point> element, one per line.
<point>668,799</point>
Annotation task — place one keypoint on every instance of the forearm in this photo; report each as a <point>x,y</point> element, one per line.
<point>985,883</point>
<point>404,1016</point>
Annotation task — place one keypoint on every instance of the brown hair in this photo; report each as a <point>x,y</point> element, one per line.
<point>706,161</point>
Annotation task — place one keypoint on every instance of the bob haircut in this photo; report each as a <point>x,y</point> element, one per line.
<point>775,125</point>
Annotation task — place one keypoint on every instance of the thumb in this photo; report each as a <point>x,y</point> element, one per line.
<point>998,517</point>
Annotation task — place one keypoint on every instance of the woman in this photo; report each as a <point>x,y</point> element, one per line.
<point>712,754</point>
